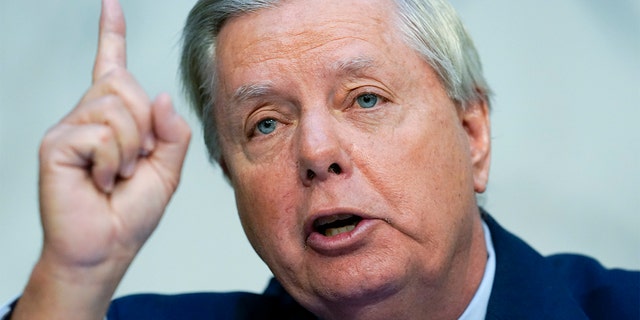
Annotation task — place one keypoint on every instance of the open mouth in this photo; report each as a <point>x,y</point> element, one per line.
<point>336,224</point>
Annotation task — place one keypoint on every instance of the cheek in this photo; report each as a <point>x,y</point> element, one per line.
<point>266,200</point>
<point>419,153</point>
<point>421,169</point>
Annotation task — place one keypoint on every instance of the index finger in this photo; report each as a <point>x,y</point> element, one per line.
<point>111,40</point>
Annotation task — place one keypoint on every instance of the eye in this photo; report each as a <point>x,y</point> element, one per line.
<point>367,100</point>
<point>267,126</point>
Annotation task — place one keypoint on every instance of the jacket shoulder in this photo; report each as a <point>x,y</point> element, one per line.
<point>182,306</point>
<point>603,293</point>
<point>206,305</point>
<point>528,285</point>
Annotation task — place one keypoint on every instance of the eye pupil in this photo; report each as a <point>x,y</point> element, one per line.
<point>367,100</point>
<point>267,126</point>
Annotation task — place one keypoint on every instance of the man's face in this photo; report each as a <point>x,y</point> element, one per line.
<point>354,172</point>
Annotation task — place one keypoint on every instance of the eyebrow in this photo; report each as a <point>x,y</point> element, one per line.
<point>248,92</point>
<point>251,91</point>
<point>353,67</point>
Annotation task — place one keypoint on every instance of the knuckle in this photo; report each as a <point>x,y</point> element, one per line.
<point>113,111</point>
<point>116,74</point>
<point>120,82</point>
<point>104,110</point>
<point>46,144</point>
<point>113,80</point>
<point>104,135</point>
<point>111,104</point>
<point>50,140</point>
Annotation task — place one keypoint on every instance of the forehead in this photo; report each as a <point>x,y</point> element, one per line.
<point>305,32</point>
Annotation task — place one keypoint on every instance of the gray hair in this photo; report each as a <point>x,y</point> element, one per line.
<point>431,27</point>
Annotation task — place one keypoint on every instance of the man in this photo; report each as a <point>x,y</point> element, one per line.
<point>355,135</point>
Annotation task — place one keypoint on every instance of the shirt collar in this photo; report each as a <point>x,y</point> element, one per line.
<point>477,308</point>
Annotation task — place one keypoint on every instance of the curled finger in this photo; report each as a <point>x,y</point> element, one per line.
<point>82,151</point>
<point>111,111</point>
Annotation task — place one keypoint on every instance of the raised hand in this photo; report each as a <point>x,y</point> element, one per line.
<point>107,172</point>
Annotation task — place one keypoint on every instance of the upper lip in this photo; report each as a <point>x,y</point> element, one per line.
<point>328,214</point>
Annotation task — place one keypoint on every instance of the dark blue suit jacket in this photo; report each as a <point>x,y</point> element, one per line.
<point>526,286</point>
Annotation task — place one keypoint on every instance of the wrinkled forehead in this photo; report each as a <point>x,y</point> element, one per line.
<point>302,32</point>
<point>314,13</point>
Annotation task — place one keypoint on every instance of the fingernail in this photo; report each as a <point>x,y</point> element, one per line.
<point>149,143</point>
<point>108,186</point>
<point>128,170</point>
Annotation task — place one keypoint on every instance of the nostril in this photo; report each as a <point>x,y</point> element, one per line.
<point>335,168</point>
<point>310,174</point>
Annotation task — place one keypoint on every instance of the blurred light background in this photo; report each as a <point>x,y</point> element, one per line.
<point>566,148</point>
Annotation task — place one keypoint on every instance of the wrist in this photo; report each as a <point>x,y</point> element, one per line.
<point>56,291</point>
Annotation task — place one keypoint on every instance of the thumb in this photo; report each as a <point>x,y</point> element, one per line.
<point>172,136</point>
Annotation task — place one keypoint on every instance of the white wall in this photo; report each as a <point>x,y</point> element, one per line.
<point>566,151</point>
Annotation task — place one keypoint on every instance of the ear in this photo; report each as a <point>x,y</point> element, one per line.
<point>475,120</point>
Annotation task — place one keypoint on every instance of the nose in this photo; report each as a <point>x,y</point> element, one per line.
<point>321,152</point>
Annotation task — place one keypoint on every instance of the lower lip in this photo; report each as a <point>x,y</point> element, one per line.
<point>342,243</point>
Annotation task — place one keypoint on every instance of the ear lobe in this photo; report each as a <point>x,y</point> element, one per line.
<point>476,122</point>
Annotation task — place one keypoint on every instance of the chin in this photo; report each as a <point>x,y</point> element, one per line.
<point>345,286</point>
